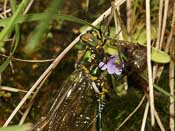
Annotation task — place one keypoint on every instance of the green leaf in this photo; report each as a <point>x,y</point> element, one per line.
<point>140,35</point>
<point>110,49</point>
<point>25,127</point>
<point>159,56</point>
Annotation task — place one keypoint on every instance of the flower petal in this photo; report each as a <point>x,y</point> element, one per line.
<point>111,65</point>
<point>102,66</point>
<point>118,71</point>
<point>111,68</point>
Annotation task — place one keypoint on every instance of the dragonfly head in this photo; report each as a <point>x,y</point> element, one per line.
<point>92,38</point>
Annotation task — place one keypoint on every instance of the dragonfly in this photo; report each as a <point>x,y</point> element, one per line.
<point>80,100</point>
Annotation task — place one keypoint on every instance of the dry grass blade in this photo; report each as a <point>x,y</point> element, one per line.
<point>155,67</point>
<point>171,74</point>
<point>49,70</point>
<point>117,23</point>
<point>159,121</point>
<point>11,89</point>
<point>28,7</point>
<point>159,69</point>
<point>129,5</point>
<point>148,34</point>
<point>5,8</point>
<point>164,23</point>
<point>4,12</point>
<point>132,113</point>
<point>32,100</point>
<point>171,84</point>
<point>160,23</point>
<point>145,117</point>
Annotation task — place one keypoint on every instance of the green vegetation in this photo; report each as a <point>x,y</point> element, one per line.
<point>34,64</point>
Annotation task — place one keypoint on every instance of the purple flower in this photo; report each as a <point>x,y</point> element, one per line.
<point>113,66</point>
<point>102,65</point>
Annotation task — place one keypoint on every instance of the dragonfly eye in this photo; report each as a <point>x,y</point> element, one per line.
<point>91,38</point>
<point>87,37</point>
<point>95,33</point>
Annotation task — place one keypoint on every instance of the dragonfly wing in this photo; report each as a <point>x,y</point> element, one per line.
<point>75,105</point>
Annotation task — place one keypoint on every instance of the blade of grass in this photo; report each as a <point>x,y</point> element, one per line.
<point>11,22</point>
<point>43,27</point>
<point>17,38</point>
<point>145,117</point>
<point>9,28</point>
<point>40,16</point>
<point>158,88</point>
